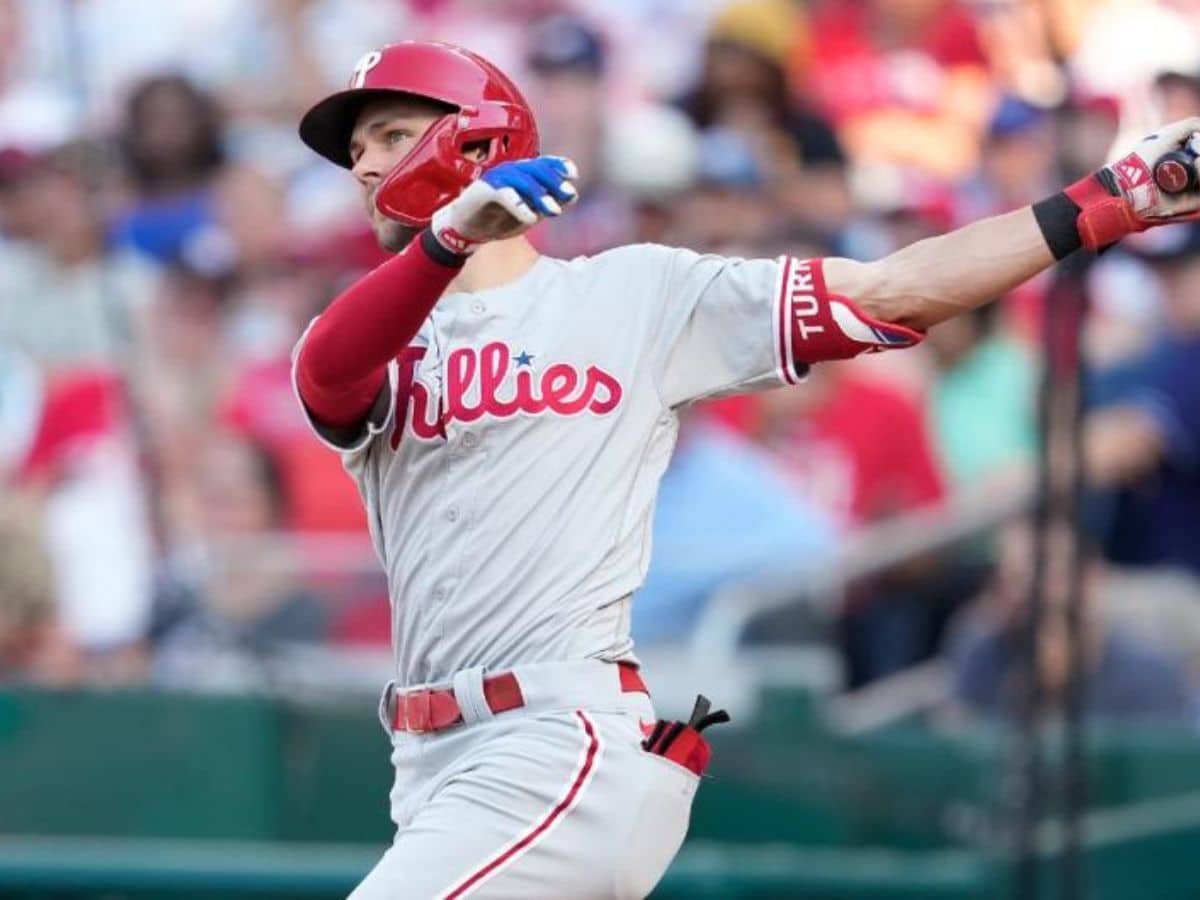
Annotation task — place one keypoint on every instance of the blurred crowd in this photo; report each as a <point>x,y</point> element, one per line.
<point>164,238</point>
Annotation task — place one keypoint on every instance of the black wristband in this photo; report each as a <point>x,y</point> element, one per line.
<point>436,251</point>
<point>1058,217</point>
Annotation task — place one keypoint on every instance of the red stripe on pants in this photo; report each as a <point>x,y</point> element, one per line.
<point>530,837</point>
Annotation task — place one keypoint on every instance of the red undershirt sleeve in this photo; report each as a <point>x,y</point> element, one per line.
<point>341,363</point>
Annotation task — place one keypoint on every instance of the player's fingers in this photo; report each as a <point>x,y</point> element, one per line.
<point>570,172</point>
<point>532,191</point>
<point>564,164</point>
<point>513,203</point>
<point>550,176</point>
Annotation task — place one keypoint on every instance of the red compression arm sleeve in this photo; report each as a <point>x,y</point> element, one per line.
<point>343,361</point>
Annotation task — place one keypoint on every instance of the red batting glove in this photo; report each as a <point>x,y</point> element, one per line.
<point>1123,198</point>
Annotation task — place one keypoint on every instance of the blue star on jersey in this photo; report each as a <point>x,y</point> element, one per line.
<point>524,359</point>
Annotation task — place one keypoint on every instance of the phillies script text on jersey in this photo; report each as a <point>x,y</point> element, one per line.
<point>561,389</point>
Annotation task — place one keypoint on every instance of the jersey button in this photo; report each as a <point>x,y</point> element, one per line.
<point>452,514</point>
<point>478,308</point>
<point>470,440</point>
<point>439,594</point>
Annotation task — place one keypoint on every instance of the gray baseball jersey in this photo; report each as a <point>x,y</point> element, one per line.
<point>510,476</point>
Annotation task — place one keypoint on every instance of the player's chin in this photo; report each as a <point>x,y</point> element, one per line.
<point>392,236</point>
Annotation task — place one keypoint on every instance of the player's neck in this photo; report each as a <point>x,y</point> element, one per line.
<point>495,264</point>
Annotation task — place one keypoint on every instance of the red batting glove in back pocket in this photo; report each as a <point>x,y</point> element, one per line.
<point>682,742</point>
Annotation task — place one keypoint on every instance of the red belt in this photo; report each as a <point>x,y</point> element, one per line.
<point>420,711</point>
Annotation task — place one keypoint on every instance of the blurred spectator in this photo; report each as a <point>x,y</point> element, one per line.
<point>264,59</point>
<point>76,308</point>
<point>744,87</point>
<point>250,237</point>
<point>1143,433</point>
<point>743,80</point>
<point>1178,94</point>
<point>568,87</point>
<point>651,155</point>
<point>260,403</point>
<point>858,450</point>
<point>499,31</point>
<point>35,112</point>
<point>1087,131</point>
<point>14,214</point>
<point>728,209</point>
<point>982,399</point>
<point>276,288</point>
<point>567,61</point>
<point>182,374</point>
<point>249,607</point>
<point>171,141</point>
<point>1116,47</point>
<point>901,214</point>
<point>66,453</point>
<point>855,447</point>
<point>905,81</point>
<point>98,538</point>
<point>1126,678</point>
<point>723,513</point>
<point>67,296</point>
<point>1020,160</point>
<point>1020,42</point>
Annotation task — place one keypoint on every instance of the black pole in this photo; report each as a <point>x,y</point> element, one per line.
<point>1059,489</point>
<point>1030,766</point>
<point>1074,772</point>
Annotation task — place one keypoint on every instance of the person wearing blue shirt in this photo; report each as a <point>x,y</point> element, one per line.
<point>723,513</point>
<point>1143,431</point>
<point>173,149</point>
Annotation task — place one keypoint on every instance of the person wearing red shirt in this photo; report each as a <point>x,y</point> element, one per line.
<point>854,445</point>
<point>262,406</point>
<point>905,82</point>
<point>859,449</point>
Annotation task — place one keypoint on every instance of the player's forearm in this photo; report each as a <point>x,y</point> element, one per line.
<point>937,278</point>
<point>343,360</point>
<point>940,277</point>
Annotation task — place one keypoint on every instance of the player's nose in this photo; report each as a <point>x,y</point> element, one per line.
<point>369,168</point>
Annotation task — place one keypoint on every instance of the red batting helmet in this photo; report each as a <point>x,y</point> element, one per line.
<point>485,106</point>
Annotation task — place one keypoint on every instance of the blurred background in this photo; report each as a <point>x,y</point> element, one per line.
<point>193,626</point>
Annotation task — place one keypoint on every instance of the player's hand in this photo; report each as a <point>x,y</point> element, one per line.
<point>506,201</point>
<point>1123,198</point>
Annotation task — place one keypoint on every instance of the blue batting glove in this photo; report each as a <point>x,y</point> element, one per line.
<point>505,201</point>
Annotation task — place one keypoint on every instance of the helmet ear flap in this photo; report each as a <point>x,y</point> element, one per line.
<point>430,175</point>
<point>438,168</point>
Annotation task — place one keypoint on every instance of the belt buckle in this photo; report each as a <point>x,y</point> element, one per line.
<point>418,711</point>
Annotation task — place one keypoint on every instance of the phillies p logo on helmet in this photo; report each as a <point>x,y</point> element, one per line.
<point>363,66</point>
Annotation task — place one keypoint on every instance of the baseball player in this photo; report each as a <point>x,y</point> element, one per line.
<point>507,417</point>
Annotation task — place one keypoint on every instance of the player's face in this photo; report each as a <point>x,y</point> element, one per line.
<point>385,132</point>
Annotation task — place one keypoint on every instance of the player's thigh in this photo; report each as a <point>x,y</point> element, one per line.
<point>569,807</point>
<point>520,815</point>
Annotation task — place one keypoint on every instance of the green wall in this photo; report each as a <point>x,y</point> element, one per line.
<point>153,795</point>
